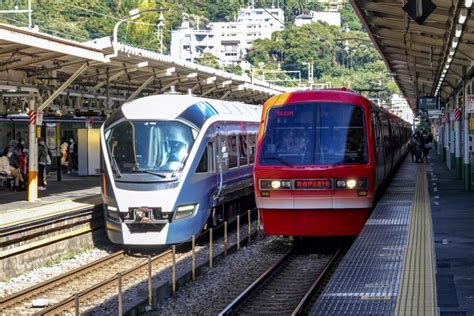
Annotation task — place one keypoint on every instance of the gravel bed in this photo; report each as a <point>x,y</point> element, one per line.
<point>136,291</point>
<point>217,287</point>
<point>36,276</point>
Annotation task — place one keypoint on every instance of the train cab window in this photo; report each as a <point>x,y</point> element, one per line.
<point>243,157</point>
<point>152,148</point>
<point>233,154</point>
<point>251,146</point>
<point>314,133</point>
<point>206,164</point>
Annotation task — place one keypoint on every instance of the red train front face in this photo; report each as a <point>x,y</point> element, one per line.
<point>314,171</point>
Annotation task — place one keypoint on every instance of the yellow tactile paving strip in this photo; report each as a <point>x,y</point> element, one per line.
<point>417,294</point>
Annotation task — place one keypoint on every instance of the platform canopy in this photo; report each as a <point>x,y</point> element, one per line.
<point>417,54</point>
<point>57,70</point>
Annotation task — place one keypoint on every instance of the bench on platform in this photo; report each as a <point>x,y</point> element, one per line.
<point>5,179</point>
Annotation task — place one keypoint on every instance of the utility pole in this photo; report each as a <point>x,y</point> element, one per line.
<point>159,29</point>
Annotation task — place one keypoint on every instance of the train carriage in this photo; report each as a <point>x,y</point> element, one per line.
<point>322,157</point>
<point>171,163</point>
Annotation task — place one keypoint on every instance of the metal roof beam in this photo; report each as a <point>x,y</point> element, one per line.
<point>58,91</point>
<point>140,89</point>
<point>30,61</point>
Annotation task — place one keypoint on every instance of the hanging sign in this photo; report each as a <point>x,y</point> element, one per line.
<point>470,103</point>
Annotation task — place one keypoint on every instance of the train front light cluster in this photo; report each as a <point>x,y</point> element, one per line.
<point>351,184</point>
<point>184,211</point>
<point>112,212</point>
<point>275,184</point>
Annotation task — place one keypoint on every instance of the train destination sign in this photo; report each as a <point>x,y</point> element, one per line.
<point>313,184</point>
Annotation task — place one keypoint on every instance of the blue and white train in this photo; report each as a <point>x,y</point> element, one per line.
<point>174,163</point>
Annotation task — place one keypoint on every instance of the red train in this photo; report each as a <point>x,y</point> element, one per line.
<point>322,157</point>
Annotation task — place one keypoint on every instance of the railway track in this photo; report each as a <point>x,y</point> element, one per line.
<point>92,285</point>
<point>286,287</point>
<point>59,293</point>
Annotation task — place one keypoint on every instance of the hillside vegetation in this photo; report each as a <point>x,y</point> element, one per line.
<point>340,57</point>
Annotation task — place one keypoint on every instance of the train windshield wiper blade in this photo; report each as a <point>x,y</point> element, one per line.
<point>283,161</point>
<point>150,172</point>
<point>114,164</point>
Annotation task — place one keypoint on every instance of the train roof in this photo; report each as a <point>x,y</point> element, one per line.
<point>171,106</point>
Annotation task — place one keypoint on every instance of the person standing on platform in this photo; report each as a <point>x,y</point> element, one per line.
<point>22,153</point>
<point>427,139</point>
<point>72,155</point>
<point>64,151</point>
<point>43,157</point>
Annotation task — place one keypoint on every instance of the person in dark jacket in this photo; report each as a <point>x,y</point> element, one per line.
<point>43,160</point>
<point>72,155</point>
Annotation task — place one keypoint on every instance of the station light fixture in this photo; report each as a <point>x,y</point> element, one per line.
<point>462,15</point>
<point>458,31</point>
<point>450,58</point>
<point>468,3</point>
<point>452,51</point>
<point>455,42</point>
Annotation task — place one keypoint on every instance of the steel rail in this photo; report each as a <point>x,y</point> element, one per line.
<point>101,287</point>
<point>317,283</point>
<point>42,287</point>
<point>241,300</point>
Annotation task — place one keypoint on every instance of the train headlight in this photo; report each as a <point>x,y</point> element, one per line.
<point>275,184</point>
<point>352,184</point>
<point>340,184</point>
<point>183,211</point>
<point>112,212</point>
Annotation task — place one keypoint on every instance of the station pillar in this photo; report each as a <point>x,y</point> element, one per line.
<point>451,146</point>
<point>457,142</point>
<point>466,153</point>
<point>32,153</point>
<point>445,141</point>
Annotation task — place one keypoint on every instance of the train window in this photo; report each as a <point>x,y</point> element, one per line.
<point>149,146</point>
<point>243,158</point>
<point>252,141</point>
<point>206,164</point>
<point>198,113</point>
<point>232,148</point>
<point>314,133</point>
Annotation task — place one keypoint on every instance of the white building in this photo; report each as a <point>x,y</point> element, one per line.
<point>401,108</point>
<point>331,18</point>
<point>229,41</point>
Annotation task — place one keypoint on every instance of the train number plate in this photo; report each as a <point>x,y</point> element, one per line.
<point>312,184</point>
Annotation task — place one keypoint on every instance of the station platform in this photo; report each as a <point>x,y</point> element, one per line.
<point>71,193</point>
<point>415,254</point>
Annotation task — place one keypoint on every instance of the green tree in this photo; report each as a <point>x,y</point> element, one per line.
<point>209,59</point>
<point>350,19</point>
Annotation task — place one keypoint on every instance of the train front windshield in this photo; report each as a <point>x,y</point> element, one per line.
<point>156,148</point>
<point>314,134</point>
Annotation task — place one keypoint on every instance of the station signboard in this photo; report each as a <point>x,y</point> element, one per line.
<point>428,103</point>
<point>435,113</point>
<point>470,103</point>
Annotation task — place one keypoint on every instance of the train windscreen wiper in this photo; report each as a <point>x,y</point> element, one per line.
<point>283,161</point>
<point>115,166</point>
<point>150,172</point>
